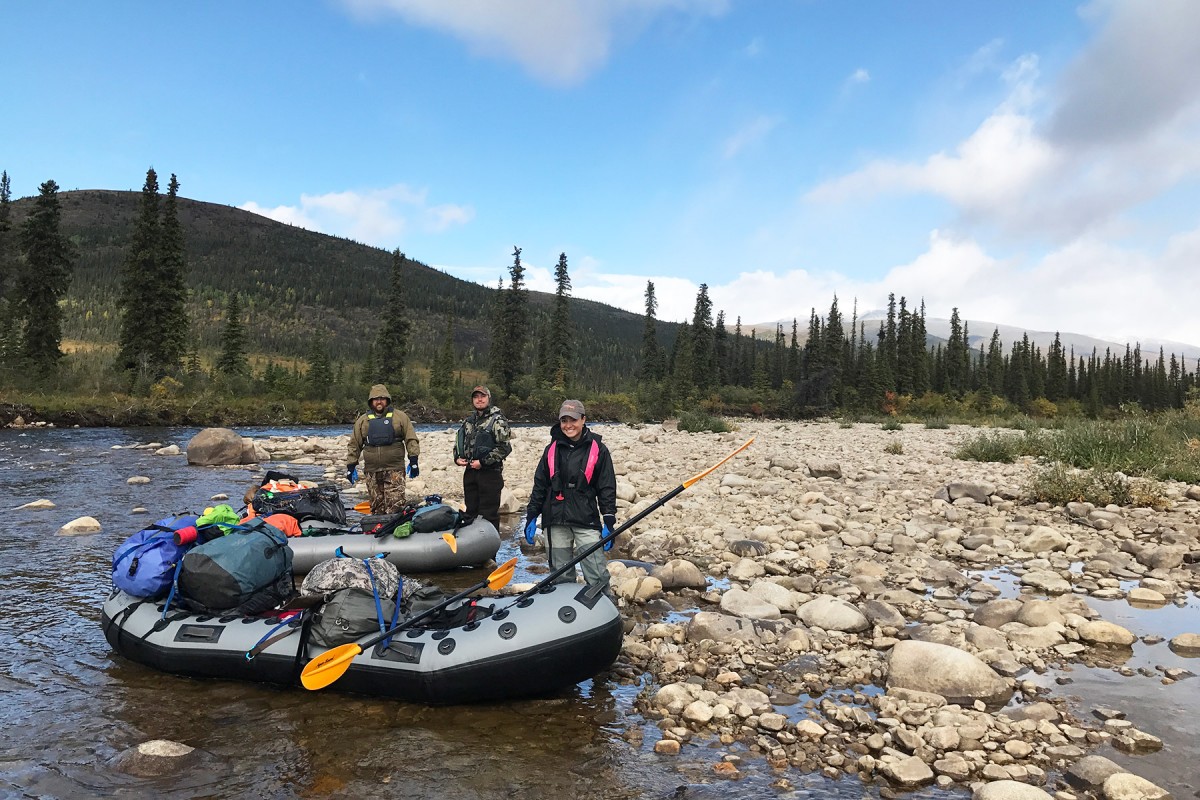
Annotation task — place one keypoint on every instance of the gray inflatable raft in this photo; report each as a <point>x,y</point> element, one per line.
<point>478,542</point>
<point>494,649</point>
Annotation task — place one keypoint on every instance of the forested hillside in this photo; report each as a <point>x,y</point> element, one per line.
<point>295,283</point>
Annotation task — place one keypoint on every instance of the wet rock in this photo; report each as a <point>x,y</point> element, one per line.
<point>79,525</point>
<point>1090,772</point>
<point>137,480</point>
<point>169,450</point>
<point>907,772</point>
<point>1186,644</point>
<point>996,613</point>
<point>158,757</point>
<point>741,603</point>
<point>679,574</point>
<point>214,447</point>
<point>747,548</point>
<point>955,674</point>
<point>832,614</point>
<point>1106,633</point>
<point>1009,790</point>
<point>1127,786</point>
<point>37,505</point>
<point>667,747</point>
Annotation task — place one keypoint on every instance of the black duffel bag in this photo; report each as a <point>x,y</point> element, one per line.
<point>322,503</point>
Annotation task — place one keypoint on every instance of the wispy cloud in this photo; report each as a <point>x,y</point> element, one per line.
<point>859,75</point>
<point>752,132</point>
<point>1022,175</point>
<point>379,217</point>
<point>559,42</point>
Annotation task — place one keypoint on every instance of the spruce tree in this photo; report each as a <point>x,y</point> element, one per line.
<point>391,346</point>
<point>140,286</point>
<point>560,342</point>
<point>232,360</point>
<point>703,352</point>
<point>720,350</point>
<point>8,312</point>
<point>320,371</point>
<point>171,303</point>
<point>43,279</point>
<point>7,268</point>
<point>510,329</point>
<point>650,367</point>
<point>441,376</point>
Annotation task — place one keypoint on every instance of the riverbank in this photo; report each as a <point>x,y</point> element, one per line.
<point>854,601</point>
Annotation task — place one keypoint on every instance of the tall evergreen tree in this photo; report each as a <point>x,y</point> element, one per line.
<point>509,331</point>
<point>441,375</point>
<point>44,278</point>
<point>560,341</point>
<point>704,367</point>
<point>721,350</point>
<point>7,267</point>
<point>320,370</point>
<point>232,360</point>
<point>140,336</point>
<point>391,345</point>
<point>171,305</point>
<point>9,340</point>
<point>650,366</point>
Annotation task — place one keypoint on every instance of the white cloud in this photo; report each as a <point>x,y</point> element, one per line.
<point>859,75</point>
<point>1021,179</point>
<point>1138,75</point>
<point>755,48</point>
<point>752,132</point>
<point>559,42</point>
<point>1088,287</point>
<point>379,217</point>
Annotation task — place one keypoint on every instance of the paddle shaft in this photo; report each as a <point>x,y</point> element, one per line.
<point>636,518</point>
<point>587,551</point>
<point>403,626</point>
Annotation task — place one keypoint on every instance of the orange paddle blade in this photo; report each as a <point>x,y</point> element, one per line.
<point>502,574</point>
<point>713,468</point>
<point>363,508</point>
<point>449,539</point>
<point>329,666</point>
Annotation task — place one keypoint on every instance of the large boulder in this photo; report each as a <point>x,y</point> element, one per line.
<point>214,447</point>
<point>955,674</point>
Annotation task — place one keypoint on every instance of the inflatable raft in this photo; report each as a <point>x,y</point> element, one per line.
<point>478,542</point>
<point>565,634</point>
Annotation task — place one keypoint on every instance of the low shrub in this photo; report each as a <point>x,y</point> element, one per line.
<point>895,447</point>
<point>699,422</point>
<point>892,425</point>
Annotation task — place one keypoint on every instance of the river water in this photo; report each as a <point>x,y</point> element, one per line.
<point>70,706</point>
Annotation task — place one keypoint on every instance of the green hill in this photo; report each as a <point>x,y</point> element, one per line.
<point>296,283</point>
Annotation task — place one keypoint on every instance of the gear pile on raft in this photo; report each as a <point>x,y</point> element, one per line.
<point>220,595</point>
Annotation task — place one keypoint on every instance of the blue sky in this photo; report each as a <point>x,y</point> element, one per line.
<point>1032,163</point>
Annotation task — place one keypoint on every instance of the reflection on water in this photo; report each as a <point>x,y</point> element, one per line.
<point>71,706</point>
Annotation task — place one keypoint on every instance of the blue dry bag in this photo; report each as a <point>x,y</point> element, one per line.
<point>144,564</point>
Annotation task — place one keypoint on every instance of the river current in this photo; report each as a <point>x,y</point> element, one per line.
<point>69,706</point>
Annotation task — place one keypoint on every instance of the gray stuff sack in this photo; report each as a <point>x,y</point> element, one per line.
<point>349,615</point>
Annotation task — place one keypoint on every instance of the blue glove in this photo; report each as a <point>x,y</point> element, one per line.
<point>610,522</point>
<point>413,469</point>
<point>352,473</point>
<point>531,529</point>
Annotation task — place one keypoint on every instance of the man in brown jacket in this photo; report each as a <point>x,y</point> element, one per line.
<point>385,437</point>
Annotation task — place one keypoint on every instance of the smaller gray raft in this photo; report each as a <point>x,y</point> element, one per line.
<point>478,542</point>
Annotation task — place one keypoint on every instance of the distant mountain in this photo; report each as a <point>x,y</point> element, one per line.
<point>979,331</point>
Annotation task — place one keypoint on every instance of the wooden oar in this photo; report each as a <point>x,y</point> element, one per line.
<point>636,518</point>
<point>332,664</point>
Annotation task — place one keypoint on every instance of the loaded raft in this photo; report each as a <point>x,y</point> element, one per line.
<point>479,650</point>
<point>214,596</point>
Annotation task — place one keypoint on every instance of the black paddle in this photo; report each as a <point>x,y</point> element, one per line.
<point>636,518</point>
<point>332,664</point>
